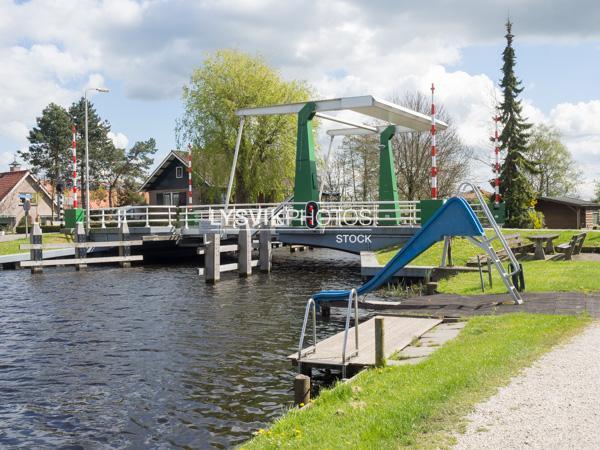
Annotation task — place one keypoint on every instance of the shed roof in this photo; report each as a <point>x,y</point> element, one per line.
<point>570,201</point>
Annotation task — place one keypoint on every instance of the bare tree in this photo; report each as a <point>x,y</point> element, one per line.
<point>412,153</point>
<point>354,169</point>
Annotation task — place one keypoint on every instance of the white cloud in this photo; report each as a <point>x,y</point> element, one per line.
<point>6,158</point>
<point>119,139</point>
<point>51,50</point>
<point>577,119</point>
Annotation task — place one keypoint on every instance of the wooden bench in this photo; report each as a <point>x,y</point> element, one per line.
<point>516,244</point>
<point>573,247</point>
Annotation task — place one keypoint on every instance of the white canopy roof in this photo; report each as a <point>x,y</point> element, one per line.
<point>367,105</point>
<point>355,131</point>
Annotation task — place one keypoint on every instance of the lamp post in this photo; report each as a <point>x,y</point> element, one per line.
<point>87,158</point>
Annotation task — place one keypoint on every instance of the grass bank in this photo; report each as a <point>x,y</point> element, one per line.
<point>462,249</point>
<point>540,276</point>
<point>12,247</point>
<point>421,405</point>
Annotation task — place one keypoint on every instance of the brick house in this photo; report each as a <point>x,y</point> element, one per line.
<point>568,213</point>
<point>12,185</point>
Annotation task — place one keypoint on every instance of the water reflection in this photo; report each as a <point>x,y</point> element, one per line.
<point>152,356</point>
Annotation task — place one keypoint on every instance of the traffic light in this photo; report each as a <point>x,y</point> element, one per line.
<point>311,213</point>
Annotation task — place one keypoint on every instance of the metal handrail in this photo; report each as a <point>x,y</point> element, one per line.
<point>308,350</point>
<point>353,296</point>
<point>493,224</point>
<point>401,212</point>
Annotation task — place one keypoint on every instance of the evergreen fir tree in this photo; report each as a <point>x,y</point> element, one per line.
<point>515,188</point>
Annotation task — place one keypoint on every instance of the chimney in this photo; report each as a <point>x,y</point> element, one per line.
<point>15,166</point>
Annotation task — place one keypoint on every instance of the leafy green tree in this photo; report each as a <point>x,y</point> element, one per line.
<point>362,154</point>
<point>126,168</point>
<point>515,187</point>
<point>229,80</point>
<point>101,148</point>
<point>557,173</point>
<point>128,193</point>
<point>48,154</point>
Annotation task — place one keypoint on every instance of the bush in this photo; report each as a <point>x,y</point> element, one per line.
<point>536,218</point>
<point>45,229</point>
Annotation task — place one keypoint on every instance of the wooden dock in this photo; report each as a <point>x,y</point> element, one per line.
<point>399,333</point>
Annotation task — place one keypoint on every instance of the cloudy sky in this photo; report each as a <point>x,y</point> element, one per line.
<point>144,51</point>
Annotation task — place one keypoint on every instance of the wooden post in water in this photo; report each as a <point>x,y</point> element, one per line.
<point>212,257</point>
<point>244,252</point>
<point>301,390</point>
<point>124,250</point>
<point>379,342</point>
<point>36,254</point>
<point>265,252</point>
<point>80,252</point>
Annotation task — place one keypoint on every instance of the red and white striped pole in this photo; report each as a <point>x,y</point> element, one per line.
<point>433,148</point>
<point>74,161</point>
<point>497,163</point>
<point>189,170</point>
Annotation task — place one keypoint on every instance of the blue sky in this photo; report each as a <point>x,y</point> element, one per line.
<point>144,51</point>
<point>551,73</point>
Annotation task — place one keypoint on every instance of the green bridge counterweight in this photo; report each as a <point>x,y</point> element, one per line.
<point>388,187</point>
<point>305,184</point>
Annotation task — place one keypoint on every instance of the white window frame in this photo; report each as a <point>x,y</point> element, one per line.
<point>178,172</point>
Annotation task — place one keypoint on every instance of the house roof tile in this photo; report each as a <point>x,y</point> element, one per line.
<point>8,181</point>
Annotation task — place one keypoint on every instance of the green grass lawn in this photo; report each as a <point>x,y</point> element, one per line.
<point>421,405</point>
<point>462,249</point>
<point>12,247</point>
<point>540,276</point>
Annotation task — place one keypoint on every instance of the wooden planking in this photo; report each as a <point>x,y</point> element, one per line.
<point>229,267</point>
<point>80,245</point>
<point>222,249</point>
<point>399,333</point>
<point>65,262</point>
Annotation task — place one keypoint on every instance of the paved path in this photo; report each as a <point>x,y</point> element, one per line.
<point>552,405</point>
<point>11,237</point>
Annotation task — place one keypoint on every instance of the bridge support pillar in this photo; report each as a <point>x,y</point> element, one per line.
<point>124,250</point>
<point>244,252</point>
<point>388,186</point>
<point>36,254</point>
<point>212,257</point>
<point>80,252</point>
<point>264,250</point>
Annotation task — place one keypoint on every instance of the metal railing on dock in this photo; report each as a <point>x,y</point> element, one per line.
<point>309,350</point>
<point>353,296</point>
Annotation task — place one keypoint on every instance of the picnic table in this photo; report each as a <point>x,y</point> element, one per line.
<point>543,244</point>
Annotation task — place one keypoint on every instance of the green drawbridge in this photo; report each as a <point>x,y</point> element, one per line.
<point>306,185</point>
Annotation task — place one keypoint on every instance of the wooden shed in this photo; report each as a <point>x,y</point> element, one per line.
<point>568,213</point>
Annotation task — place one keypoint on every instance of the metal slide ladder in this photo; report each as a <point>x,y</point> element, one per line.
<point>310,307</point>
<point>486,245</point>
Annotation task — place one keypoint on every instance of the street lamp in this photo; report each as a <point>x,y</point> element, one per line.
<point>87,158</point>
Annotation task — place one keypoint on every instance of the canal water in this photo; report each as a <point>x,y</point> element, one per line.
<point>152,356</point>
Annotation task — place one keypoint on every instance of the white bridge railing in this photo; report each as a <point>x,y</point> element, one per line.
<point>331,214</point>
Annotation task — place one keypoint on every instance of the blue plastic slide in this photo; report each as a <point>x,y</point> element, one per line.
<point>454,218</point>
